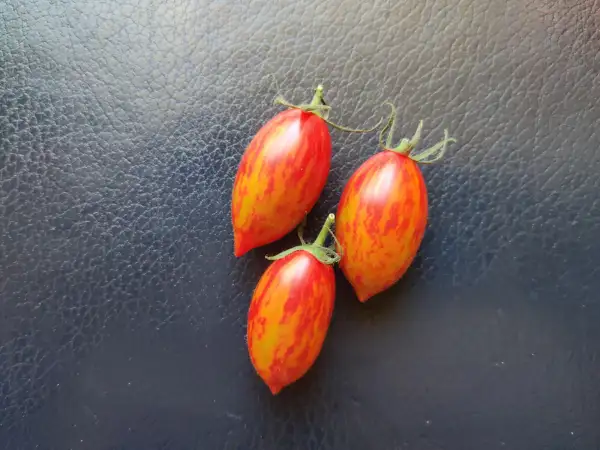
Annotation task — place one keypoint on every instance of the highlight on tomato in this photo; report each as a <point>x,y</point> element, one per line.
<point>282,173</point>
<point>291,309</point>
<point>382,214</point>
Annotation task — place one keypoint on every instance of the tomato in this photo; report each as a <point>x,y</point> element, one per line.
<point>290,312</point>
<point>280,178</point>
<point>282,173</point>
<point>382,214</point>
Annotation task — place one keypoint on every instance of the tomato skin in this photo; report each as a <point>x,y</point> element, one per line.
<point>381,221</point>
<point>281,175</point>
<point>289,316</point>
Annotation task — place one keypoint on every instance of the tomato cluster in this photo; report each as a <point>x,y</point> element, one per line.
<point>381,220</point>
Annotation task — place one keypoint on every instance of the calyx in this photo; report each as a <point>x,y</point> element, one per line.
<point>406,146</point>
<point>319,107</point>
<point>326,255</point>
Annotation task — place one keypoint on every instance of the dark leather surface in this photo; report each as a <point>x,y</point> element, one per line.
<point>123,310</point>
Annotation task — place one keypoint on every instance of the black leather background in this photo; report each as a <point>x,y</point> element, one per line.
<point>123,310</point>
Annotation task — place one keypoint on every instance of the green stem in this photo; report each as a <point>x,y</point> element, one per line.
<point>327,255</point>
<point>353,130</point>
<point>407,146</point>
<point>320,241</point>
<point>319,107</point>
<point>389,127</point>
<point>318,99</point>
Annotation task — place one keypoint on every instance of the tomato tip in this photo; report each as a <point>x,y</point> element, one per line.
<point>275,389</point>
<point>363,297</point>
<point>240,247</point>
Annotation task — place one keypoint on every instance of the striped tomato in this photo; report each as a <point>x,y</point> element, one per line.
<point>291,310</point>
<point>382,213</point>
<point>282,174</point>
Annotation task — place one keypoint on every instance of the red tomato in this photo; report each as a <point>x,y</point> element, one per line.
<point>290,312</point>
<point>280,178</point>
<point>382,215</point>
<point>282,174</point>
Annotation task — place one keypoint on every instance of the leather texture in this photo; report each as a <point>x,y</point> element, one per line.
<point>122,307</point>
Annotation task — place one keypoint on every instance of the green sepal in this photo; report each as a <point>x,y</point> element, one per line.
<point>434,153</point>
<point>406,146</point>
<point>319,107</point>
<point>326,255</point>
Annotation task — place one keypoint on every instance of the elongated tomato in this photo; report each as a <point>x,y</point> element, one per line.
<point>280,178</point>
<point>382,215</point>
<point>282,173</point>
<point>290,313</point>
<point>381,221</point>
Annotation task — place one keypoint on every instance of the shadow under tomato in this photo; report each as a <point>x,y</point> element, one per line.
<point>391,301</point>
<point>354,326</point>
